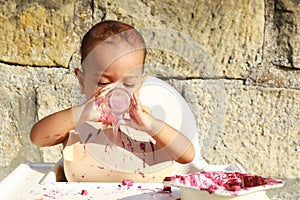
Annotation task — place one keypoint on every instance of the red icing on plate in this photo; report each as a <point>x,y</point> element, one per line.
<point>231,181</point>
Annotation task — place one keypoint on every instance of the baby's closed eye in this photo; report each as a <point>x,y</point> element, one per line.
<point>103,83</point>
<point>129,85</point>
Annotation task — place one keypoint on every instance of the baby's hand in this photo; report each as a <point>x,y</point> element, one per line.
<point>95,108</point>
<point>141,119</point>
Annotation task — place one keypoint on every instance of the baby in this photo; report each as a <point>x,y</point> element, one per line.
<point>113,55</point>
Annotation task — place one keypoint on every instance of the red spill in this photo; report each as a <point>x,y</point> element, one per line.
<point>152,145</point>
<point>169,178</point>
<point>129,145</point>
<point>84,192</point>
<point>144,163</point>
<point>167,189</point>
<point>106,148</point>
<point>143,146</point>
<point>152,148</point>
<point>127,182</point>
<point>142,174</point>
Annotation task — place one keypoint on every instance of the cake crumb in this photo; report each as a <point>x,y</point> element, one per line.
<point>84,192</point>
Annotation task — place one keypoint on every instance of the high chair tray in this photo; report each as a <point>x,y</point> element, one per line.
<point>36,181</point>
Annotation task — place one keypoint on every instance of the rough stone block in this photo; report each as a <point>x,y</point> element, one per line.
<point>200,38</point>
<point>279,67</point>
<point>257,127</point>
<point>38,33</point>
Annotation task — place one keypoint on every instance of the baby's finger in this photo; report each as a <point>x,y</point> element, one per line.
<point>104,90</point>
<point>136,101</point>
<point>99,94</point>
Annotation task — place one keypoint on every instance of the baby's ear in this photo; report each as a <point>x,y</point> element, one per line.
<point>80,76</point>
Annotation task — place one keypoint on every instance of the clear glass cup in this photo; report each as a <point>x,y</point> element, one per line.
<point>119,101</point>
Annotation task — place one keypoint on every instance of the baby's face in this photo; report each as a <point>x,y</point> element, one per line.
<point>108,65</point>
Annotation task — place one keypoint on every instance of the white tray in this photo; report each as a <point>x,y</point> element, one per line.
<point>37,182</point>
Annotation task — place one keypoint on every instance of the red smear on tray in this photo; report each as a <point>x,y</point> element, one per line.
<point>84,192</point>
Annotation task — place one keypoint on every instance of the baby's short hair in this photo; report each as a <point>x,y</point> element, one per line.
<point>111,31</point>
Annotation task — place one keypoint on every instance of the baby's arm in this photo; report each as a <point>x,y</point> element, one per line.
<point>53,129</point>
<point>176,144</point>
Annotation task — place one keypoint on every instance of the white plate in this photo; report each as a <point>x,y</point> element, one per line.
<point>249,193</point>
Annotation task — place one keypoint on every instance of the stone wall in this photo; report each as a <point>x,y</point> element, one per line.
<point>236,63</point>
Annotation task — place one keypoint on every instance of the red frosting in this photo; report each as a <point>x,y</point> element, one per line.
<point>127,182</point>
<point>84,192</point>
<point>212,181</point>
<point>104,112</point>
